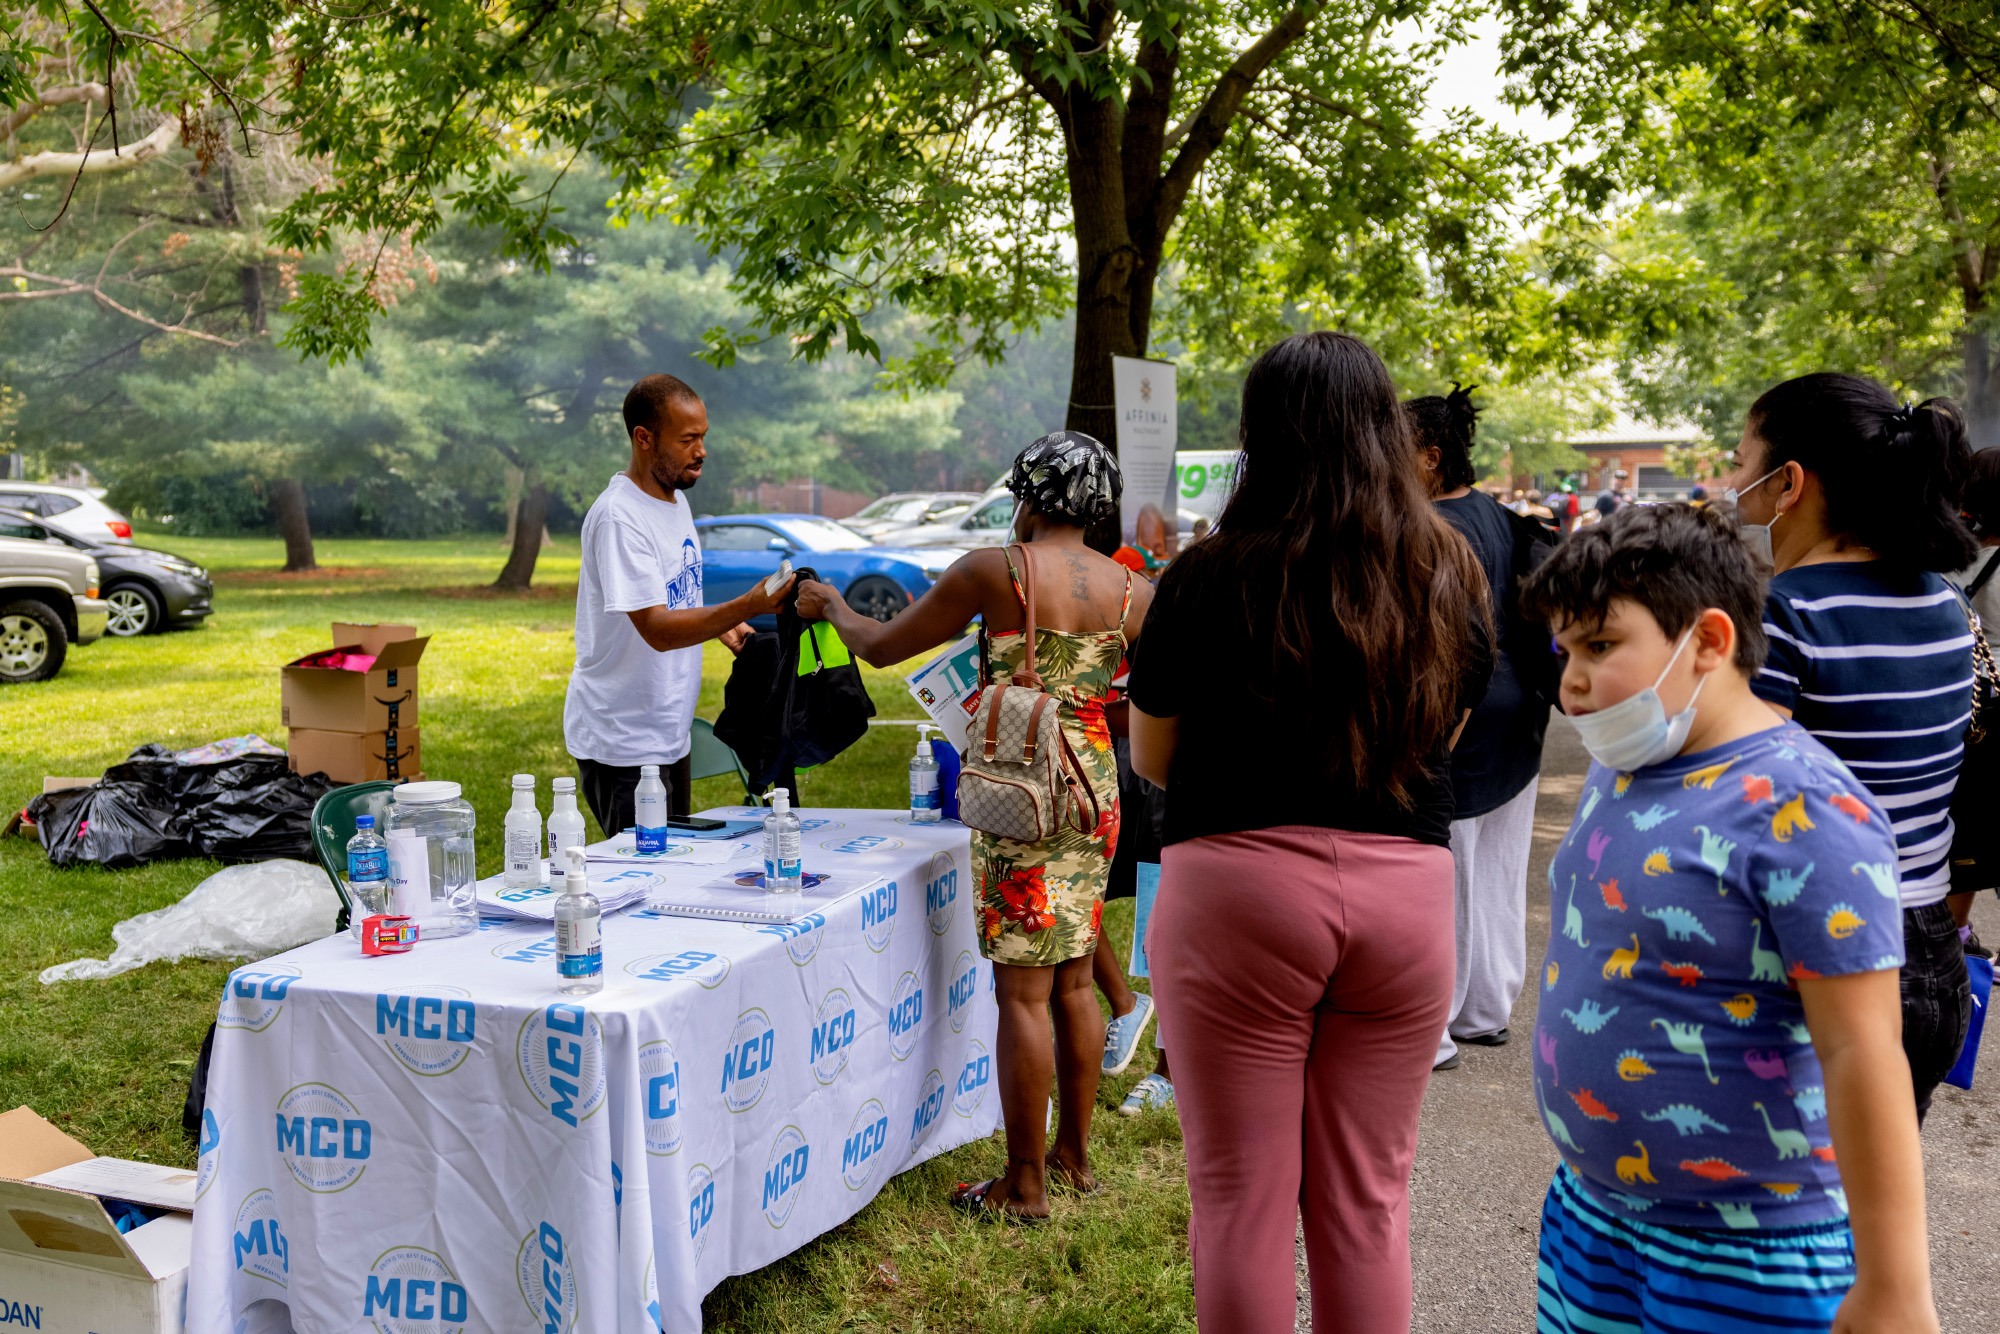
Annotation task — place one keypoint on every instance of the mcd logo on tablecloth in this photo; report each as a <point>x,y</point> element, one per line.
<point>878,916</point>
<point>518,949</point>
<point>906,1015</point>
<point>832,1035</point>
<point>253,998</point>
<point>867,1136</point>
<point>701,1206</point>
<point>548,1284</point>
<point>964,986</point>
<point>801,938</point>
<point>747,1060</point>
<point>862,844</point>
<point>941,893</point>
<point>410,1290</point>
<point>703,966</point>
<point>785,1174</point>
<point>929,1103</point>
<point>323,1138</point>
<point>561,1056</point>
<point>973,1078</point>
<point>430,1030</point>
<point>206,1156</point>
<point>660,1076</point>
<point>259,1245</point>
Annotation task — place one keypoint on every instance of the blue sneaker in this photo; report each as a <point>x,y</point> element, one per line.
<point>1122,1034</point>
<point>1151,1092</point>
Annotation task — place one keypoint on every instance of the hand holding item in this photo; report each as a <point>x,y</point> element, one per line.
<point>815,598</point>
<point>764,600</point>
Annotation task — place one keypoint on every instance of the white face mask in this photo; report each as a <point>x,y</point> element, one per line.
<point>1757,536</point>
<point>1636,731</point>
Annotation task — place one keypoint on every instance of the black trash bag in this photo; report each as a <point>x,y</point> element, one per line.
<point>113,824</point>
<point>777,720</point>
<point>150,807</point>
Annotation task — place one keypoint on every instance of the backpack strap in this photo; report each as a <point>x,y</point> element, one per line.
<point>1028,629</point>
<point>1126,609</point>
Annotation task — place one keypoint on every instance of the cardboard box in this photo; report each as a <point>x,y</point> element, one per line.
<point>334,699</point>
<point>357,757</point>
<point>64,1265</point>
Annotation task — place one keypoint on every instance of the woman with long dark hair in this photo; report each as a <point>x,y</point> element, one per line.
<point>1855,499</point>
<point>1302,672</point>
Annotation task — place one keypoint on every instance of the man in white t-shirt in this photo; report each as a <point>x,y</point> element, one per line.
<point>640,622</point>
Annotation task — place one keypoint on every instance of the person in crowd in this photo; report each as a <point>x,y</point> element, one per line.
<point>1499,755</point>
<point>1152,545</point>
<point>1857,498</point>
<point>1981,583</point>
<point>1299,943</point>
<point>1566,508</point>
<point>640,622</point>
<point>1040,904</point>
<point>1609,499</point>
<point>1722,961</point>
<point>1201,527</point>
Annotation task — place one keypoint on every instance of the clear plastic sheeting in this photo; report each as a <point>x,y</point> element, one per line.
<point>240,912</point>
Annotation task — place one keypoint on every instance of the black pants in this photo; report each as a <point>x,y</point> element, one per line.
<point>609,789</point>
<point>1937,998</point>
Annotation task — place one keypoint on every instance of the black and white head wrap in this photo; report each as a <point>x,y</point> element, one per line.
<point>1068,476</point>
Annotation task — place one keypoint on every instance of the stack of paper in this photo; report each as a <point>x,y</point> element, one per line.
<point>616,887</point>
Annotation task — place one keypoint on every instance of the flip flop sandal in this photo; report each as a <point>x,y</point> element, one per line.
<point>970,1199</point>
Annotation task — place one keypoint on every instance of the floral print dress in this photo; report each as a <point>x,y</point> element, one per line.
<point>1042,903</point>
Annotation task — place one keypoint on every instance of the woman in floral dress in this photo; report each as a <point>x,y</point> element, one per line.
<point>1040,904</point>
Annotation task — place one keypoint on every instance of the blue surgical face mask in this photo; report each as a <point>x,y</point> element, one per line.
<point>1636,731</point>
<point>1757,536</point>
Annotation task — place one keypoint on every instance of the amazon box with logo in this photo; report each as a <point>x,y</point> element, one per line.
<point>352,708</point>
<point>64,1264</point>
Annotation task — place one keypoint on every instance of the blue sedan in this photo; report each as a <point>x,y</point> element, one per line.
<point>739,549</point>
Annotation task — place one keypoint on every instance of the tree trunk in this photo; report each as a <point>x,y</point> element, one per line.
<point>519,572</point>
<point>1982,391</point>
<point>288,503</point>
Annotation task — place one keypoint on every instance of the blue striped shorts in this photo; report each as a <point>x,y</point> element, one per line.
<point>1602,1274</point>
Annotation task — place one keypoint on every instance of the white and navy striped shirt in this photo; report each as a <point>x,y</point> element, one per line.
<point>1876,662</point>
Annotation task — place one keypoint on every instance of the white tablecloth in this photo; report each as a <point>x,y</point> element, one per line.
<point>440,1141</point>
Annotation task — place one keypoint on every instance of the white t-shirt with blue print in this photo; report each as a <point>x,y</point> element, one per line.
<point>628,703</point>
<point>1672,1064</point>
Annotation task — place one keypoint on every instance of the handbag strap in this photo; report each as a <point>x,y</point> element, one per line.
<point>1028,608</point>
<point>1985,573</point>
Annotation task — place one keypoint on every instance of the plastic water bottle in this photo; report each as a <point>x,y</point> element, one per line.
<point>522,835</point>
<point>367,868</point>
<point>650,809</point>
<point>579,934</point>
<point>925,803</point>
<point>565,823</point>
<point>782,871</point>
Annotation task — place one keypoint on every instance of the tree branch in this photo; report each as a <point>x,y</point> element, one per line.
<point>1218,109</point>
<point>54,97</point>
<point>130,155</point>
<point>66,287</point>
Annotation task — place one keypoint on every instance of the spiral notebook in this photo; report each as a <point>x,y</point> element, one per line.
<point>739,896</point>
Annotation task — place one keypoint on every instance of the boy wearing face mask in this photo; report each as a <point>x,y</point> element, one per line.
<point>1718,1056</point>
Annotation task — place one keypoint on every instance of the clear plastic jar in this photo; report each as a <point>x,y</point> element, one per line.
<point>444,820</point>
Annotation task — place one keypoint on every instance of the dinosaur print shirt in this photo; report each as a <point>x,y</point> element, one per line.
<point>1672,1064</point>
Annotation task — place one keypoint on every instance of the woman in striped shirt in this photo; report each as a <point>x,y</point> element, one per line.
<point>1871,649</point>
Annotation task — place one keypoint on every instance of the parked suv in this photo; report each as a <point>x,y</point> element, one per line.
<point>68,510</point>
<point>147,590</point>
<point>48,601</point>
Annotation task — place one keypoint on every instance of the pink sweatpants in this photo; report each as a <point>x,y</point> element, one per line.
<point>1304,974</point>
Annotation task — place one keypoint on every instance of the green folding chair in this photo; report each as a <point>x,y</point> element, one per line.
<point>709,757</point>
<point>333,824</point>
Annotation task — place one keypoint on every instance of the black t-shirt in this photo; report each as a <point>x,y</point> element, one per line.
<point>1242,761</point>
<point>1500,751</point>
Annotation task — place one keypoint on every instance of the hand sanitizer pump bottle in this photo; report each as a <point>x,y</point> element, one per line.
<point>782,871</point>
<point>926,800</point>
<point>579,937</point>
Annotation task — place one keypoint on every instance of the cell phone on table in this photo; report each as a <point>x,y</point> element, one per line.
<point>695,823</point>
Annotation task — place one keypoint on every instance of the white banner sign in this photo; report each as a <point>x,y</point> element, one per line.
<point>439,1141</point>
<point>1143,392</point>
<point>1203,479</point>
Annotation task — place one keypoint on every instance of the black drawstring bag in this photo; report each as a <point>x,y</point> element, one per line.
<point>794,698</point>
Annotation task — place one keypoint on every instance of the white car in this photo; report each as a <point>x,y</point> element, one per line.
<point>75,512</point>
<point>984,523</point>
<point>906,508</point>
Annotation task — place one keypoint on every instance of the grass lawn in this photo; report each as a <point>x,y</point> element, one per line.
<point>109,1061</point>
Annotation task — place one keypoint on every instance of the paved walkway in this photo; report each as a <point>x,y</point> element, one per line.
<point>1483,1161</point>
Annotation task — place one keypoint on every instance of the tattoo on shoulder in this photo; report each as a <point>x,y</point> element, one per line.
<point>1079,584</point>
